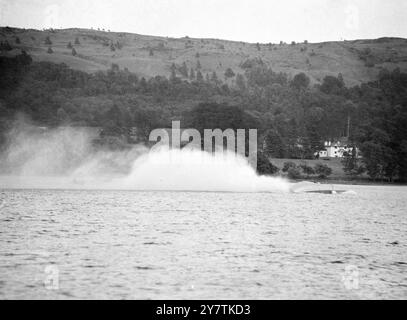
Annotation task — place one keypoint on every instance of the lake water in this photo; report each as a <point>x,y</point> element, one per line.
<point>70,244</point>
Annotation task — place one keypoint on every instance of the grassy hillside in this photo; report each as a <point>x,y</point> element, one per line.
<point>358,61</point>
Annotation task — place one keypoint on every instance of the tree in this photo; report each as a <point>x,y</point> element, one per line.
<point>294,173</point>
<point>50,50</point>
<point>322,170</point>
<point>199,76</point>
<point>382,134</point>
<point>151,53</point>
<point>18,41</point>
<point>264,166</point>
<point>288,165</point>
<point>240,82</point>
<point>24,59</point>
<point>114,118</point>
<point>214,78</point>
<point>307,170</point>
<point>69,45</point>
<point>258,46</point>
<point>370,62</point>
<point>340,78</point>
<point>274,145</point>
<point>48,41</point>
<point>378,159</point>
<point>312,142</point>
<point>292,170</point>
<point>332,85</point>
<point>5,46</point>
<point>192,74</point>
<point>351,164</point>
<point>220,116</point>
<point>300,81</point>
<point>173,76</point>
<point>77,41</point>
<point>74,53</point>
<point>115,68</point>
<point>225,89</point>
<point>229,73</point>
<point>184,70</point>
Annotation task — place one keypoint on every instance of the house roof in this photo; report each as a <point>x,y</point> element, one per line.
<point>341,142</point>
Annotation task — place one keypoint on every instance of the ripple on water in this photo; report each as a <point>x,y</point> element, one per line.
<point>112,244</point>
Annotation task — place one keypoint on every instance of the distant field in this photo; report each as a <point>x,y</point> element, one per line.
<point>358,61</point>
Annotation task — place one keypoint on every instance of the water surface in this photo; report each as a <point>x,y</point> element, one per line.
<point>71,244</point>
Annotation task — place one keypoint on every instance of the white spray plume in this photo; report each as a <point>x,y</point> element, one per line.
<point>64,158</point>
<point>195,170</point>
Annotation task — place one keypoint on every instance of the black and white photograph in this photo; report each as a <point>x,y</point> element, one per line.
<point>196,150</point>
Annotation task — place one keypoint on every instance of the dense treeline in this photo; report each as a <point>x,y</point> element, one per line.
<point>293,117</point>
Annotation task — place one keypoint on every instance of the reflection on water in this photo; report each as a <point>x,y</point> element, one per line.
<point>158,245</point>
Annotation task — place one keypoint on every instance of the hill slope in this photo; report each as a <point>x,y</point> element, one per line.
<point>358,61</point>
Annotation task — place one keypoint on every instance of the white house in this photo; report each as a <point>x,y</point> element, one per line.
<point>336,149</point>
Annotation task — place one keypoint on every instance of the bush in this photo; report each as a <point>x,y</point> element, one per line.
<point>183,70</point>
<point>322,170</point>
<point>352,166</point>
<point>264,166</point>
<point>307,170</point>
<point>369,63</point>
<point>251,63</point>
<point>48,41</point>
<point>288,165</point>
<point>5,46</point>
<point>229,73</point>
<point>294,173</point>
<point>300,80</point>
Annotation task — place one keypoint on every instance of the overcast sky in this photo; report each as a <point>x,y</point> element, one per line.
<point>245,20</point>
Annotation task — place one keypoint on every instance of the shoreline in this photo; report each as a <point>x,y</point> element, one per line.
<point>360,182</point>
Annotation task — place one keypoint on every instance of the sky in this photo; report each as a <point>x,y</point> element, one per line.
<point>242,20</point>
